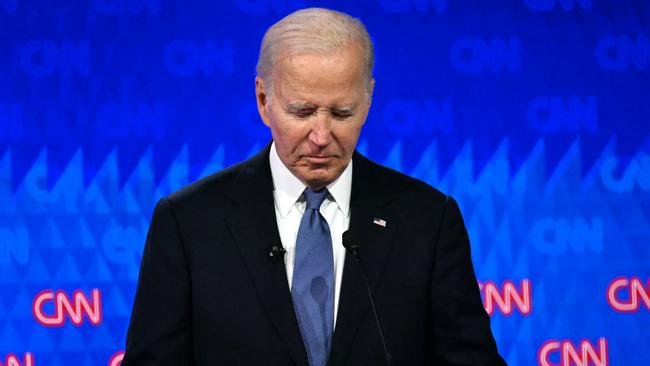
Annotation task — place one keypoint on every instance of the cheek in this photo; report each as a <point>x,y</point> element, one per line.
<point>347,136</point>
<point>288,134</point>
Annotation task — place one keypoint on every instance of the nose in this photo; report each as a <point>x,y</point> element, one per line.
<point>321,130</point>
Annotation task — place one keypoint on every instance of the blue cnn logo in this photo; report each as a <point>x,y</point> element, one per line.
<point>121,120</point>
<point>191,58</point>
<point>478,55</point>
<point>555,114</point>
<point>407,117</point>
<point>558,235</point>
<point>623,52</point>
<point>624,180</point>
<point>44,58</point>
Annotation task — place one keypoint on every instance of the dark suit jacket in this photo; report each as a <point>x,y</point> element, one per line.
<point>209,294</point>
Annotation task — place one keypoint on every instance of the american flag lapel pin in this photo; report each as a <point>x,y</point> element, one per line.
<point>380,222</point>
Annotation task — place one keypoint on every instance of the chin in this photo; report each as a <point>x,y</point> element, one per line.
<point>318,180</point>
<point>318,176</point>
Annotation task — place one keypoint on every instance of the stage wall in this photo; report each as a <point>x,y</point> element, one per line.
<point>533,114</point>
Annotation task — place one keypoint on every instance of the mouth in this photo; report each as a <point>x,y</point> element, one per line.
<point>314,159</point>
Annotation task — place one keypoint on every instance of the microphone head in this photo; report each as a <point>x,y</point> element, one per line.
<point>351,242</point>
<point>277,252</point>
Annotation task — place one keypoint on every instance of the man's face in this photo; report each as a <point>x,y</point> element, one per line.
<point>316,110</point>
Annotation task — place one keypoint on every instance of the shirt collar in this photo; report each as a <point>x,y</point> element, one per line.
<point>288,188</point>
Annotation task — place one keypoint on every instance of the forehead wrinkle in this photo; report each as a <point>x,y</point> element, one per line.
<point>302,98</point>
<point>291,73</point>
<point>297,89</point>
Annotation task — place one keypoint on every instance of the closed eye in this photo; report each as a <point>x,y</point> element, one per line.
<point>300,110</point>
<point>303,113</point>
<point>342,114</point>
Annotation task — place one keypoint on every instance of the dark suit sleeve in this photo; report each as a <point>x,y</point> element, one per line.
<point>461,327</point>
<point>160,331</point>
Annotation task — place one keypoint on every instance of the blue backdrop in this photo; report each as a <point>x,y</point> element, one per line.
<point>534,114</point>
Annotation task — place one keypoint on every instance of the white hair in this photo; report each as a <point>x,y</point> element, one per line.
<point>312,31</point>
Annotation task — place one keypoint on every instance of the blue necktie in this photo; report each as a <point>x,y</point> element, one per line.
<point>312,287</point>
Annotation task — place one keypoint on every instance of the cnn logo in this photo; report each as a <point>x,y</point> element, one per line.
<point>633,289</point>
<point>13,360</point>
<point>75,309</point>
<point>507,298</point>
<point>568,353</point>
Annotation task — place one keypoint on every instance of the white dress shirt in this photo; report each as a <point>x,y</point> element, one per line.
<point>290,206</point>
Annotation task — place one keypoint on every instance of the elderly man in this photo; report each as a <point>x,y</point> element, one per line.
<point>248,267</point>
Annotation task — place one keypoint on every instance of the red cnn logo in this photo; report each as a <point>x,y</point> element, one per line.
<point>635,289</point>
<point>507,296</point>
<point>116,360</point>
<point>63,305</point>
<point>583,355</point>
<point>13,360</point>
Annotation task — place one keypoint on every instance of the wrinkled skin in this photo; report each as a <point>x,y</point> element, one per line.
<point>315,111</point>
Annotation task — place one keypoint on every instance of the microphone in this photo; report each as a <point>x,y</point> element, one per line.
<point>351,244</point>
<point>277,252</point>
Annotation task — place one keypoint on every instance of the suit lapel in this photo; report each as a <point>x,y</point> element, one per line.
<point>369,201</point>
<point>255,230</point>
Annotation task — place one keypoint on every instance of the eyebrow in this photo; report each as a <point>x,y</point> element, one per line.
<point>297,106</point>
<point>344,108</point>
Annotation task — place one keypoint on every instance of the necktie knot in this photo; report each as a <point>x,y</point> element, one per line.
<point>315,198</point>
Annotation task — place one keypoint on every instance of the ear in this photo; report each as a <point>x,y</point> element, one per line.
<point>262,99</point>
